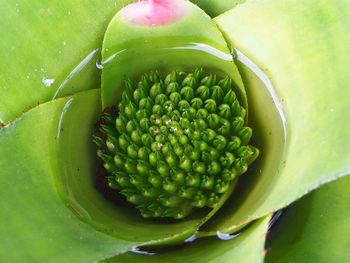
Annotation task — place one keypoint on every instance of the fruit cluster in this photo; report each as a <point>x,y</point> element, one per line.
<point>176,143</point>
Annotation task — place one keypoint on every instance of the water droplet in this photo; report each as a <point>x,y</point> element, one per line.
<point>47,82</point>
<point>99,65</point>
<point>223,236</point>
<point>142,252</point>
<point>192,238</point>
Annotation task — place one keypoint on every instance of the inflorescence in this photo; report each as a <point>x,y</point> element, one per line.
<point>176,144</point>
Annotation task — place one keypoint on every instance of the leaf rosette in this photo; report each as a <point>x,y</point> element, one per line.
<point>47,154</point>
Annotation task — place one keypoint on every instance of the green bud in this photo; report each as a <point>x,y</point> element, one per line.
<point>168,106</point>
<point>155,90</point>
<point>143,153</point>
<point>132,151</point>
<point>147,139</point>
<point>187,192</point>
<point>208,135</point>
<point>112,183</point>
<point>210,105</point>
<point>237,124</point>
<point>145,124</point>
<point>182,105</point>
<point>185,164</point>
<point>171,159</point>
<point>224,111</point>
<point>213,121</point>
<point>172,87</point>
<point>189,81</point>
<point>225,127</point>
<point>227,160</point>
<point>146,103</point>
<point>150,192</point>
<point>189,113</point>
<point>175,97</point>
<point>174,76</point>
<point>111,146</point>
<point>130,110</point>
<point>143,167</point>
<point>207,182</point>
<point>236,108</point>
<point>214,168</point>
<point>157,110</point>
<point>183,139</point>
<point>170,186</point>
<point>153,159</point>
<point>199,200</point>
<point>123,142</point>
<point>138,95</point>
<point>209,80</point>
<point>198,74</point>
<point>213,200</point>
<point>136,137</point>
<point>136,199</point>
<point>160,99</point>
<point>130,166</point>
<point>137,180</point>
<point>199,167</point>
<point>219,143</point>
<point>221,186</point>
<point>167,149</point>
<point>197,103</point>
<point>240,165</point>
<point>216,93</point>
<point>163,169</point>
<point>122,179</point>
<point>175,115</point>
<point>141,114</point>
<point>203,92</point>
<point>193,180</point>
<point>233,144</point>
<point>119,161</point>
<point>245,134</point>
<point>229,98</point>
<point>226,84</point>
<point>202,114</point>
<point>120,126</point>
<point>171,201</point>
<point>154,179</point>
<point>187,93</point>
<point>229,175</point>
<point>178,175</point>
<point>200,125</point>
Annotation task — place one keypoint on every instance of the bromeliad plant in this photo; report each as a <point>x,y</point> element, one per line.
<point>46,155</point>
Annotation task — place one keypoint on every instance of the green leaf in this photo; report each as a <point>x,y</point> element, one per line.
<point>63,158</point>
<point>35,225</point>
<point>189,43</point>
<point>303,48</point>
<point>45,41</point>
<point>315,227</point>
<point>248,247</point>
<point>217,7</point>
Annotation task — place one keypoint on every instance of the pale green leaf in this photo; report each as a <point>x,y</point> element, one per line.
<point>303,48</point>
<point>248,247</point>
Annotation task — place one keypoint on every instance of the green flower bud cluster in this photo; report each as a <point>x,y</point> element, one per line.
<point>176,144</point>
